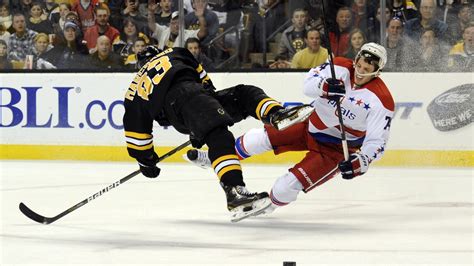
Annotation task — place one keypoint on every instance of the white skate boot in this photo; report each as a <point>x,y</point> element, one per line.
<point>198,157</point>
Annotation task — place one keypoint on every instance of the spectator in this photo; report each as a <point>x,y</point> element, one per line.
<point>292,39</point>
<point>64,9</point>
<point>23,7</point>
<point>51,11</point>
<point>4,62</point>
<point>131,12</point>
<point>374,30</point>
<point>397,46</point>
<point>357,39</point>
<point>416,26</point>
<point>5,17</point>
<point>131,62</point>
<point>41,47</point>
<point>430,56</point>
<point>168,36</point>
<point>362,15</point>
<point>70,52</point>
<point>102,27</point>
<point>164,16</point>
<point>4,34</point>
<point>123,44</point>
<point>194,46</point>
<point>85,9</point>
<point>404,10</point>
<point>461,56</point>
<point>21,41</point>
<point>313,9</point>
<point>38,21</point>
<point>339,34</point>
<point>281,62</point>
<point>103,58</point>
<point>457,26</point>
<point>193,21</point>
<point>313,55</point>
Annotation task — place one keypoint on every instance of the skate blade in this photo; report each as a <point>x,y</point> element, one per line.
<point>242,212</point>
<point>300,116</point>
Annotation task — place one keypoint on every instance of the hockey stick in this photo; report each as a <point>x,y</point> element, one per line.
<point>345,148</point>
<point>47,220</point>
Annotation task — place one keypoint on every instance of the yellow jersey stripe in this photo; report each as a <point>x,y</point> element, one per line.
<point>270,107</point>
<point>140,148</point>
<point>227,169</point>
<point>223,158</point>
<point>259,106</point>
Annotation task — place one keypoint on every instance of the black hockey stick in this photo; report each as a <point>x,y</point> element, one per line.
<point>47,220</point>
<point>345,148</point>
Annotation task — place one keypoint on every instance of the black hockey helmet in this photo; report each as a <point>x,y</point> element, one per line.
<point>148,53</point>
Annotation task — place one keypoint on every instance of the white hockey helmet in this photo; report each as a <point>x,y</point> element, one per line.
<point>374,53</point>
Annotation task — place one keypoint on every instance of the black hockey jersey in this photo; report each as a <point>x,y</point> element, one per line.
<point>144,99</point>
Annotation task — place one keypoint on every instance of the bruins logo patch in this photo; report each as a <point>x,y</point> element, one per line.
<point>221,111</point>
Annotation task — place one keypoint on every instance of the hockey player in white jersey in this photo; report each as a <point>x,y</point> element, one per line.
<point>366,108</point>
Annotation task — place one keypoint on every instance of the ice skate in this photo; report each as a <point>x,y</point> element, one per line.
<point>198,157</point>
<point>243,204</point>
<point>285,118</point>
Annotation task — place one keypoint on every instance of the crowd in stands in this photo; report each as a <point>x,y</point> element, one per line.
<point>420,35</point>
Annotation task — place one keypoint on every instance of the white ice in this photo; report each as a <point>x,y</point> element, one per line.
<point>389,216</point>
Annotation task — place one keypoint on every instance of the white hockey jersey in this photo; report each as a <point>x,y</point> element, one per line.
<point>367,111</point>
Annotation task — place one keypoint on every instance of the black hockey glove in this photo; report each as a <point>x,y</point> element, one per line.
<point>148,166</point>
<point>333,89</point>
<point>357,165</point>
<point>196,143</point>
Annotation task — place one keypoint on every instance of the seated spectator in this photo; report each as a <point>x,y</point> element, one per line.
<point>457,26</point>
<point>51,10</point>
<point>164,16</point>
<point>131,62</point>
<point>357,39</point>
<point>41,47</point>
<point>292,38</point>
<point>6,18</point>
<point>168,36</point>
<point>4,62</point>
<point>63,10</point>
<point>313,55</point>
<point>373,32</point>
<point>404,10</point>
<point>416,26</point>
<point>339,34</point>
<point>194,46</point>
<point>397,46</point>
<point>461,56</point>
<point>131,12</point>
<point>313,9</point>
<point>70,52</point>
<point>281,62</point>
<point>21,41</point>
<point>194,20</point>
<point>38,21</point>
<point>85,9</point>
<point>4,34</point>
<point>123,44</point>
<point>103,58</point>
<point>102,27</point>
<point>430,55</point>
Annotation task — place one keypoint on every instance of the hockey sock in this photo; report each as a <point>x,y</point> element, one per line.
<point>225,162</point>
<point>255,141</point>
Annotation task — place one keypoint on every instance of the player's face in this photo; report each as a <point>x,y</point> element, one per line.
<point>362,67</point>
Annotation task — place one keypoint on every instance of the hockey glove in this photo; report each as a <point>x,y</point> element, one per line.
<point>148,166</point>
<point>333,89</point>
<point>196,143</point>
<point>357,165</point>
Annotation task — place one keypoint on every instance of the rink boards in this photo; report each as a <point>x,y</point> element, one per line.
<point>79,116</point>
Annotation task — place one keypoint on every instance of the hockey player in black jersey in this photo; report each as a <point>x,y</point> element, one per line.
<point>172,88</point>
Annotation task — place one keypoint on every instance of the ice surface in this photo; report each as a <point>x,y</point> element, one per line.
<point>389,216</point>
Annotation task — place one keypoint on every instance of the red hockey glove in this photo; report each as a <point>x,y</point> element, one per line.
<point>333,89</point>
<point>357,165</point>
<point>148,165</point>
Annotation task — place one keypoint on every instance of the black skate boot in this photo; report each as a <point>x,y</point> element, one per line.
<point>285,118</point>
<point>243,203</point>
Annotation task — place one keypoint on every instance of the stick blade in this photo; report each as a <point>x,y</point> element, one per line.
<point>33,215</point>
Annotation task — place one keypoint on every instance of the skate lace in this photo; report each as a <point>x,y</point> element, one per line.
<point>244,192</point>
<point>203,157</point>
